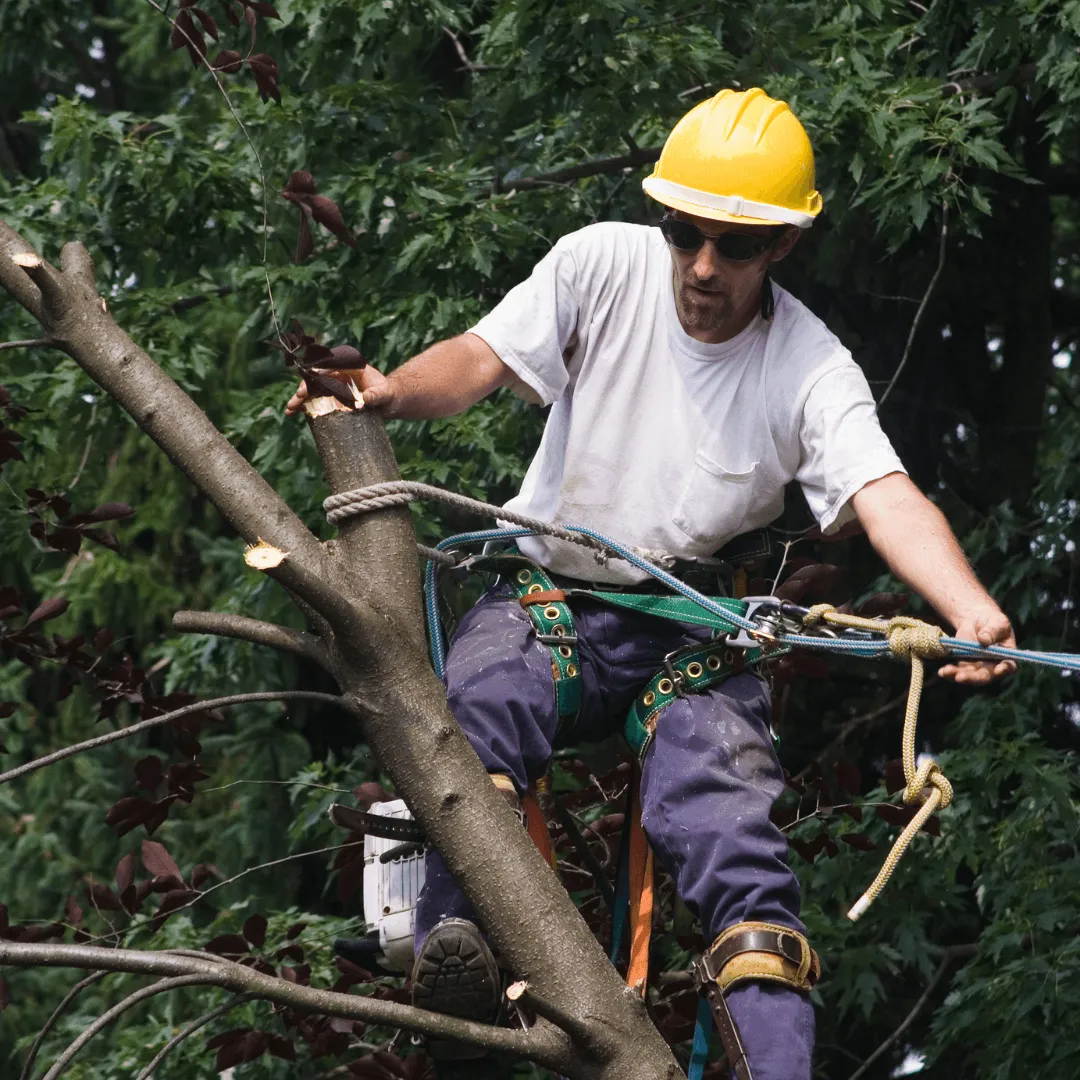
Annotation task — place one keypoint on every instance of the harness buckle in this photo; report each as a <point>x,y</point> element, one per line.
<point>761,635</point>
<point>557,639</point>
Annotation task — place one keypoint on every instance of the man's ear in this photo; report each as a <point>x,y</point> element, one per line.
<point>782,248</point>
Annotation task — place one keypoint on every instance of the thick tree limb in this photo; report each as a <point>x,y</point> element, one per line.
<point>195,1025</point>
<point>542,1043</point>
<point>69,997</point>
<point>168,718</point>
<point>106,1018</point>
<point>225,624</point>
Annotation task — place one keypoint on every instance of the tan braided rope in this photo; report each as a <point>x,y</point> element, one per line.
<point>914,640</point>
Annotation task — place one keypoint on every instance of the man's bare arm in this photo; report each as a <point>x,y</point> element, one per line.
<point>911,534</point>
<point>441,381</point>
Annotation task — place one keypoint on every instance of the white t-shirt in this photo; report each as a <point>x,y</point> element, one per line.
<point>657,440</point>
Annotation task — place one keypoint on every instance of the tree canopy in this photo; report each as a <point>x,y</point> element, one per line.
<point>459,141</point>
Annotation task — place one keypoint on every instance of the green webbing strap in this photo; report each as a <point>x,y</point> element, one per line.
<point>676,608</point>
<point>690,672</point>
<point>552,620</point>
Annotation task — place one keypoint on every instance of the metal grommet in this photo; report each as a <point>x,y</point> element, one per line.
<point>665,686</point>
<point>694,670</point>
<point>713,662</point>
<point>565,652</point>
<point>558,629</point>
<point>535,587</point>
<point>729,657</point>
<point>571,670</point>
<point>524,577</point>
<point>551,613</point>
<point>648,699</point>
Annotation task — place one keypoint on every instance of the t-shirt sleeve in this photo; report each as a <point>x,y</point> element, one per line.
<point>842,445</point>
<point>532,325</point>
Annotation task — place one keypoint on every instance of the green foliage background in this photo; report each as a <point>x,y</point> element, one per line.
<point>954,111</point>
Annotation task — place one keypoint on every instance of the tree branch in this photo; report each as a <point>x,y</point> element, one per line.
<point>31,343</point>
<point>166,718</point>
<point>542,1043</point>
<point>180,1036</point>
<point>240,627</point>
<point>644,155</point>
<point>160,987</point>
<point>922,305</point>
<point>908,1020</point>
<point>186,303</point>
<point>69,997</point>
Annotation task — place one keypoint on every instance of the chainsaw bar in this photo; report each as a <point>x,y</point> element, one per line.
<point>386,828</point>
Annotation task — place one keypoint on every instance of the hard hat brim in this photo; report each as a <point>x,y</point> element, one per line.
<point>724,208</point>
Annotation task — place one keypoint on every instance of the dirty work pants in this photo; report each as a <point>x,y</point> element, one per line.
<point>708,782</point>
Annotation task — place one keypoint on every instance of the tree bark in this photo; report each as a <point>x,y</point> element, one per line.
<point>362,587</point>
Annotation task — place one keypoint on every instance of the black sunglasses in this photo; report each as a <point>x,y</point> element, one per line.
<point>736,246</point>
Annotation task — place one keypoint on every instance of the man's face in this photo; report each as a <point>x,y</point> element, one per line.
<point>713,294</point>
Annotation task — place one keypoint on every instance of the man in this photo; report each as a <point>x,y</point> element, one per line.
<point>686,391</point>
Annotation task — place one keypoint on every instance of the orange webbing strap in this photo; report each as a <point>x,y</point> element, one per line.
<point>537,826</point>
<point>641,893</point>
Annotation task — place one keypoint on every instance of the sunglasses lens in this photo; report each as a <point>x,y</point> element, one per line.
<point>741,247</point>
<point>681,234</point>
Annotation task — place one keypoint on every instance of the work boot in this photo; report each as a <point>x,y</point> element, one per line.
<point>456,974</point>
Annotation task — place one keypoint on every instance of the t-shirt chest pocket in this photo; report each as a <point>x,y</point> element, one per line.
<point>716,499</point>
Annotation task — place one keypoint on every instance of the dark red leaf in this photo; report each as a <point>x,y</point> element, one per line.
<point>263,9</point>
<point>226,1037</point>
<point>128,813</point>
<point>254,930</point>
<point>157,860</point>
<point>897,816</point>
<point>49,609</point>
<point>125,872</point>
<point>854,812</point>
<point>859,840</point>
<point>817,580</point>
<point>932,825</point>
<point>207,21</point>
<point>7,708</point>
<point>831,848</point>
<point>809,849</point>
<point>111,511</point>
<point>281,1047</point>
<point>249,15</point>
<point>848,777</point>
<point>326,213</point>
<point>300,183</point>
<point>102,897</point>
<point>883,605</point>
<point>265,70</point>
<point>148,772</point>
<point>372,792</point>
<point>290,952</point>
<point>894,776</point>
<point>199,874</point>
<point>73,914</point>
<point>347,357</point>
<point>159,811</point>
<point>103,639</point>
<point>295,930</point>
<point>5,995</point>
<point>173,901</point>
<point>784,816</point>
<point>227,61</point>
<point>227,945</point>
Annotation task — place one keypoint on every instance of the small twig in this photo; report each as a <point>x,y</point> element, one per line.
<point>581,845</point>
<point>645,155</point>
<point>788,545</point>
<point>240,627</point>
<point>186,303</point>
<point>165,718</point>
<point>254,150</point>
<point>581,1033</point>
<point>908,1020</point>
<point>69,997</point>
<point>31,343</point>
<point>194,1026</point>
<point>466,64</point>
<point>86,449</point>
<point>160,987</point>
<point>922,305</point>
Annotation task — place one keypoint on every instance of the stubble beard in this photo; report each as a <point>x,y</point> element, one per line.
<point>697,314</point>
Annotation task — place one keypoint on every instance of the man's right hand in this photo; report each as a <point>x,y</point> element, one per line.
<point>372,383</point>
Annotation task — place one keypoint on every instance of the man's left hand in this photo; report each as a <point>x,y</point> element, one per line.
<point>990,626</point>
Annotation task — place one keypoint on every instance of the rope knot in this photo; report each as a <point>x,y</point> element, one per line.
<point>929,773</point>
<point>909,637</point>
<point>817,614</point>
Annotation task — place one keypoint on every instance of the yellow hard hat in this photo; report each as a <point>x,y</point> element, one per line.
<point>741,157</point>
